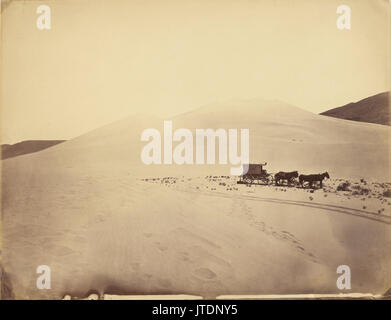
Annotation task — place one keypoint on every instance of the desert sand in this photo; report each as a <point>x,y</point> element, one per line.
<point>107,223</point>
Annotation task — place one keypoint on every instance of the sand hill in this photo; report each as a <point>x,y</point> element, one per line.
<point>83,208</point>
<point>24,147</point>
<point>287,137</point>
<point>374,109</point>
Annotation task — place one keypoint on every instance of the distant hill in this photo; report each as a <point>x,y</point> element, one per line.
<point>375,109</point>
<point>24,147</point>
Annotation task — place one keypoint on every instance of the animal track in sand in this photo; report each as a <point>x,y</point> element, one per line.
<point>279,235</point>
<point>375,216</point>
<point>288,233</point>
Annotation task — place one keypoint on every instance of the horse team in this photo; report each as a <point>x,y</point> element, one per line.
<point>290,177</point>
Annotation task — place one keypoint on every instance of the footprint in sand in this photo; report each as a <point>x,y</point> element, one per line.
<point>287,232</point>
<point>205,273</point>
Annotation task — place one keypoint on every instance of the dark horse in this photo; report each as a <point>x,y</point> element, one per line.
<point>311,178</point>
<point>288,176</point>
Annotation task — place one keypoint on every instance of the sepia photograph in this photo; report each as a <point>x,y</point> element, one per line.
<point>195,150</point>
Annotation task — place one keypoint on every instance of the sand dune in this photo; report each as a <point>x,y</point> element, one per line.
<point>81,208</point>
<point>289,138</point>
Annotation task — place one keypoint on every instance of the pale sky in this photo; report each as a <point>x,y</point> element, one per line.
<point>103,60</point>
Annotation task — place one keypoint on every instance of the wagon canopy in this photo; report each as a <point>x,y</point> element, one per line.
<point>255,169</point>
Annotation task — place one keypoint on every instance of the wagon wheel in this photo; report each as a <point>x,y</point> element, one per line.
<point>264,178</point>
<point>247,180</point>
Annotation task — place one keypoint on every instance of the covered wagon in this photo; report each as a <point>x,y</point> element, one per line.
<point>256,174</point>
